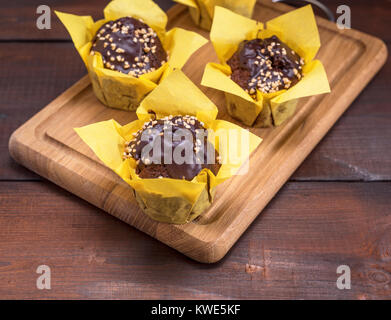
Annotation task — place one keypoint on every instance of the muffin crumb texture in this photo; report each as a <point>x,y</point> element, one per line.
<point>267,65</point>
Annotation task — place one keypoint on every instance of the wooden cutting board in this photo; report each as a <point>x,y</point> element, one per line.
<point>48,145</point>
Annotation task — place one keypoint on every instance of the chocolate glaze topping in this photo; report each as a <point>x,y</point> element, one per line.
<point>268,65</point>
<point>129,46</point>
<point>147,167</point>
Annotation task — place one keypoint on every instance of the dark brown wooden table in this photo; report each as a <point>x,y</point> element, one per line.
<point>335,210</point>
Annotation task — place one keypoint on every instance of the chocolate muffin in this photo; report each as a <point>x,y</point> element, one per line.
<point>129,46</point>
<point>268,65</point>
<point>186,133</point>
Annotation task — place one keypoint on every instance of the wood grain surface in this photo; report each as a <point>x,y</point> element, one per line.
<point>93,255</point>
<point>339,156</point>
<point>33,217</point>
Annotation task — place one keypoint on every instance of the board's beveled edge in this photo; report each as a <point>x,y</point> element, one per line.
<point>381,58</point>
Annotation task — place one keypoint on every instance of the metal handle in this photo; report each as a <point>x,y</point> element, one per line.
<point>316,3</point>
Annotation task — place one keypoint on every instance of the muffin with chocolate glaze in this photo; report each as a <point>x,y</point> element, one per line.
<point>130,46</point>
<point>268,65</point>
<point>175,154</point>
<point>265,68</point>
<point>129,52</point>
<point>165,135</point>
<point>201,11</point>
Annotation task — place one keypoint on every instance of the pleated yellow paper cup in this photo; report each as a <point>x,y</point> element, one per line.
<point>202,11</point>
<point>165,199</point>
<point>123,91</point>
<point>299,31</point>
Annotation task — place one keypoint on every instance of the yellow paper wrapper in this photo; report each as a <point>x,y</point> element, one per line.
<point>115,89</point>
<point>171,200</point>
<point>299,31</point>
<point>202,11</point>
